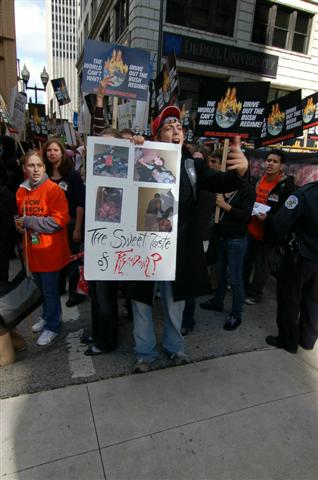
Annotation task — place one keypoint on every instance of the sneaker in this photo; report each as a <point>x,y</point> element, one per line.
<point>232,323</point>
<point>179,358</point>
<point>211,305</point>
<point>46,337</point>
<point>142,366</point>
<point>250,301</point>
<point>39,325</point>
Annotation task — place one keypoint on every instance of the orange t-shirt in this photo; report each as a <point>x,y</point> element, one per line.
<point>52,251</point>
<point>256,226</point>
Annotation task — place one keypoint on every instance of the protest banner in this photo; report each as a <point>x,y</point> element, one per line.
<point>75,119</point>
<point>283,120</point>
<point>310,111</point>
<point>166,85</point>
<point>115,70</point>
<point>131,214</point>
<point>140,120</point>
<point>226,110</point>
<point>37,122</point>
<point>5,116</point>
<point>186,119</point>
<point>69,133</point>
<point>60,90</point>
<point>124,116</point>
<point>18,101</point>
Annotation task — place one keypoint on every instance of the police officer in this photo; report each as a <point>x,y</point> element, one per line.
<point>297,283</point>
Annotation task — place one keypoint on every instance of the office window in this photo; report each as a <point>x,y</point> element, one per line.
<point>215,17</point>
<point>280,26</point>
<point>105,33</point>
<point>275,93</point>
<point>122,16</point>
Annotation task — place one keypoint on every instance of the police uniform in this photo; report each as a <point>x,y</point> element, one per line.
<point>297,283</point>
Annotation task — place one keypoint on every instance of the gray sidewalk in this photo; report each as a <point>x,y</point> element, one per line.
<point>247,416</point>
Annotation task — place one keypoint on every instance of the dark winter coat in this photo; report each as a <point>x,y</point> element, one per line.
<point>233,224</point>
<point>191,271</point>
<point>277,197</point>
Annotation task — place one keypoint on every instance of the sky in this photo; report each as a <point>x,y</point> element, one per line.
<point>31,40</point>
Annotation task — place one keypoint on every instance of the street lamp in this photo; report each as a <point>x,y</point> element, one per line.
<point>25,74</point>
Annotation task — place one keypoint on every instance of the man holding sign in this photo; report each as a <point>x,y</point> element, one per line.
<point>191,272</point>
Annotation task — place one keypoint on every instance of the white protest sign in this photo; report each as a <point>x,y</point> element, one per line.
<point>131,217</point>
<point>141,117</point>
<point>124,116</point>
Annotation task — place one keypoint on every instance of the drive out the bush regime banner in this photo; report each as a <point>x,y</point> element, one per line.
<point>115,70</point>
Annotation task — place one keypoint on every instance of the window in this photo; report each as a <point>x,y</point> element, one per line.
<point>275,93</point>
<point>282,27</point>
<point>191,85</point>
<point>215,17</point>
<point>122,15</point>
<point>105,33</point>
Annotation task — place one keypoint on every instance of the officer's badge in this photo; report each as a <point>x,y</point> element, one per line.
<point>291,202</point>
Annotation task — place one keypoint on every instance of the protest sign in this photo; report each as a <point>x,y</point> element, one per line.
<point>283,120</point>
<point>69,133</point>
<point>310,111</point>
<point>140,120</point>
<point>313,133</point>
<point>131,214</point>
<point>75,119</point>
<point>5,117</point>
<point>60,90</point>
<point>230,109</point>
<point>124,116</point>
<point>18,101</point>
<point>115,70</point>
<point>37,122</point>
<point>166,85</point>
<point>186,119</point>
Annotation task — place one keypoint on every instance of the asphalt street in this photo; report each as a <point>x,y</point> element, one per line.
<point>64,363</point>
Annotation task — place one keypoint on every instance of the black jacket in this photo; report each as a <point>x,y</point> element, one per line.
<point>191,271</point>
<point>233,224</point>
<point>299,214</point>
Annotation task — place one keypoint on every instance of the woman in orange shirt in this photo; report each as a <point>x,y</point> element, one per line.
<point>44,216</point>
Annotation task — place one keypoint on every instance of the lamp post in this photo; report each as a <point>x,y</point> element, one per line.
<point>25,74</point>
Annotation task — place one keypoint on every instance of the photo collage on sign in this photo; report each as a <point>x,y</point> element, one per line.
<point>154,173</point>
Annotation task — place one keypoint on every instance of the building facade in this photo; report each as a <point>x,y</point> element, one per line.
<point>234,40</point>
<point>61,19</point>
<point>8,53</point>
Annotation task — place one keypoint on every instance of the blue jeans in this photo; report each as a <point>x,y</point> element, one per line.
<point>52,311</point>
<point>144,331</point>
<point>231,256</point>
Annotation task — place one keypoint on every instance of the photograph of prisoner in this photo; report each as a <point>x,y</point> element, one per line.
<point>154,166</point>
<point>155,210</point>
<point>108,204</point>
<point>110,161</point>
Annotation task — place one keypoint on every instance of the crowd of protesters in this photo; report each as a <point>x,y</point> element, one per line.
<point>42,197</point>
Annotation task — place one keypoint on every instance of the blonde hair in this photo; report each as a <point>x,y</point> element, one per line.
<point>30,154</point>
